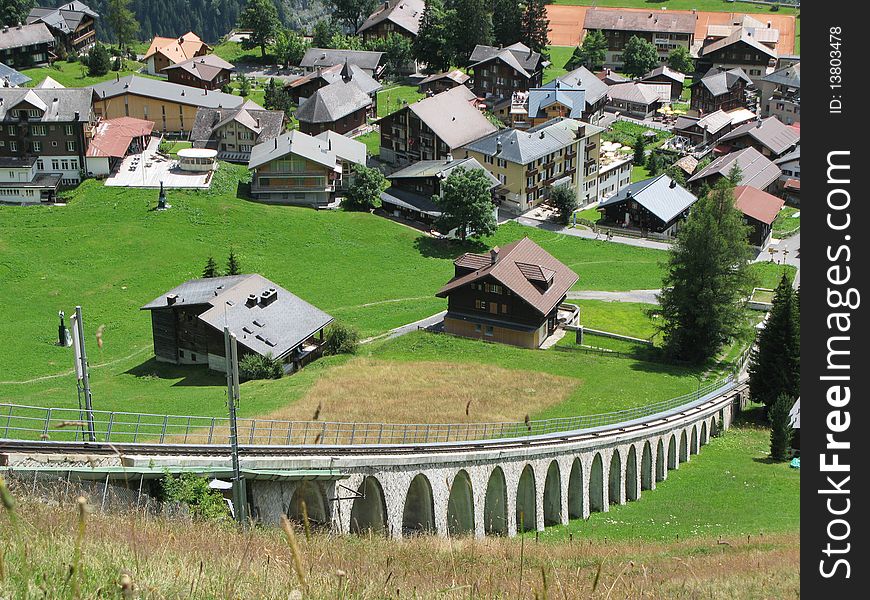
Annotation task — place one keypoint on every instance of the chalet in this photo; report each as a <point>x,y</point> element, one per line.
<point>341,107</point>
<point>73,25</point>
<point>322,58</point>
<point>171,106</point>
<point>759,211</point>
<point>393,16</point>
<point>207,72</point>
<point>706,130</point>
<point>234,132</point>
<point>113,140</point>
<point>658,204</point>
<point>638,100</point>
<point>530,163</point>
<point>769,136</point>
<point>296,168</point>
<point>539,105</point>
<point>595,92</point>
<point>188,322</point>
<point>510,295</point>
<point>26,46</point>
<point>666,30</point>
<point>432,128</point>
<point>750,49</point>
<point>499,72</point>
<point>756,170</point>
<point>22,184</point>
<point>790,164</point>
<point>9,77</point>
<point>304,87</point>
<point>51,125</point>
<point>780,94</point>
<point>720,90</point>
<point>664,74</point>
<point>164,52</point>
<point>412,189</point>
<point>441,82</point>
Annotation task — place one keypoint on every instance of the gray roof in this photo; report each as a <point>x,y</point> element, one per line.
<point>757,171</point>
<point>523,147</point>
<point>170,92</point>
<point>332,102</point>
<point>570,96</point>
<point>456,75</point>
<point>452,117</point>
<point>323,149</point>
<point>266,124</point>
<point>630,20</point>
<point>442,169</point>
<point>325,57</point>
<point>205,67</point>
<point>518,56</point>
<point>662,196</point>
<point>584,79</point>
<point>770,133</point>
<point>794,154</point>
<point>25,35</point>
<point>404,13</point>
<point>789,76</point>
<point>364,81</point>
<point>667,72</point>
<point>65,18</point>
<point>57,105</point>
<point>407,199</point>
<point>720,82</point>
<point>640,93</point>
<point>9,77</point>
<point>266,327</point>
<point>744,35</point>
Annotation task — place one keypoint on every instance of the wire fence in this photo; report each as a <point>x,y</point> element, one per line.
<point>72,425</point>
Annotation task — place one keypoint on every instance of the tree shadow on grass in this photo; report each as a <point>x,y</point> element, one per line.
<point>444,248</point>
<point>186,375</point>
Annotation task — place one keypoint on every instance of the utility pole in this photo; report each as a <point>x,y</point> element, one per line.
<point>81,359</point>
<point>239,493</point>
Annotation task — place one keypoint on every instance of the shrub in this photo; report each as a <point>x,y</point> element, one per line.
<point>255,366</point>
<point>204,502</point>
<point>340,339</point>
<point>98,61</point>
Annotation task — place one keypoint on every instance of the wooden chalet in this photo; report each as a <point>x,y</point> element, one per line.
<point>510,295</point>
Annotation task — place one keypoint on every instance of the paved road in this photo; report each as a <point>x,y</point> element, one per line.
<point>589,235</point>
<point>639,296</point>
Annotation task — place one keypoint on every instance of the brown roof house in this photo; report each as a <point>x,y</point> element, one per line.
<point>305,86</point>
<point>441,82</point>
<point>393,16</point>
<point>234,132</point>
<point>188,322</point>
<point>208,72</point>
<point>26,46</point>
<point>170,51</point>
<point>432,128</point>
<point>499,72</point>
<point>664,74</point>
<point>73,24</point>
<point>341,107</point>
<point>113,140</point>
<point>770,136</point>
<point>756,170</point>
<point>759,211</point>
<point>720,90</point>
<point>322,58</point>
<point>510,295</point>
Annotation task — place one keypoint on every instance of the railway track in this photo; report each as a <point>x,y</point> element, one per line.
<point>9,446</point>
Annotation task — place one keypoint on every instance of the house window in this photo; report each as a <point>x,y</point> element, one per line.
<point>71,146</point>
<point>68,129</point>
<point>55,165</point>
<point>489,331</point>
<point>37,146</point>
<point>34,112</point>
<point>477,328</point>
<point>37,129</point>
<point>504,309</point>
<point>40,166</point>
<point>11,129</point>
<point>480,304</point>
<point>13,146</point>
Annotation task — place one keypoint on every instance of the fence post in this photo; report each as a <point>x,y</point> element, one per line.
<point>136,432</point>
<point>163,431</point>
<point>47,421</point>
<point>211,430</point>
<point>8,420</point>
<point>109,427</point>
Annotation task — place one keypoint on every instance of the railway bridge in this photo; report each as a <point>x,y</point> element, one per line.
<point>447,480</point>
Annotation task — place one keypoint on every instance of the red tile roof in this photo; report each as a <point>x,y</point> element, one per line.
<point>112,137</point>
<point>757,204</point>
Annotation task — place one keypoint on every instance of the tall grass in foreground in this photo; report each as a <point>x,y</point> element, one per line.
<point>63,550</point>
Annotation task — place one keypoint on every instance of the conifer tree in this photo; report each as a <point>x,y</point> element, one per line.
<point>433,42</point>
<point>589,54</point>
<point>233,267</point>
<point>536,26</point>
<point>470,24</point>
<point>210,269</point>
<point>507,17</point>
<point>780,429</point>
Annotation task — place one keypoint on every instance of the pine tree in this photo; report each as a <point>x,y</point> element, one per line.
<point>99,60</point>
<point>432,44</point>
<point>210,269</point>
<point>466,204</point>
<point>639,57</point>
<point>589,54</point>
<point>507,17</point>
<point>233,267</point>
<point>707,278</point>
<point>123,22</point>
<point>780,429</point>
<point>536,26</point>
<point>639,151</point>
<point>470,24</point>
<point>261,17</point>
<point>775,365</point>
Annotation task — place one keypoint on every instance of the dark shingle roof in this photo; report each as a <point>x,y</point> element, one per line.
<point>57,105</point>
<point>629,20</point>
<point>65,18</point>
<point>667,72</point>
<point>364,81</point>
<point>661,195</point>
<point>523,147</point>
<point>266,124</point>
<point>170,92</point>
<point>743,35</point>
<point>720,82</point>
<point>757,171</point>
<point>452,117</point>
<point>267,327</point>
<point>205,67</point>
<point>25,35</point>
<point>441,169</point>
<point>518,56</point>
<point>332,102</point>
<point>325,57</point>
<point>574,98</point>
<point>789,76</point>
<point>515,268</point>
<point>404,13</point>
<point>771,133</point>
<point>584,79</point>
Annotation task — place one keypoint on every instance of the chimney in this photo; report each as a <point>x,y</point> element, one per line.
<point>541,135</point>
<point>258,121</point>
<point>449,157</point>
<point>268,296</point>
<point>171,298</point>
<point>498,145</point>
<point>768,24</point>
<point>251,301</point>
<point>673,184</point>
<point>581,132</point>
<point>758,121</point>
<point>493,255</point>
<point>77,115</point>
<point>276,143</point>
<point>386,4</point>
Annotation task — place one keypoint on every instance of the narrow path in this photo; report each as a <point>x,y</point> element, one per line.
<point>639,296</point>
<point>71,371</point>
<point>403,329</point>
<point>589,235</point>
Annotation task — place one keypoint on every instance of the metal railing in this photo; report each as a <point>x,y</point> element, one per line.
<point>69,425</point>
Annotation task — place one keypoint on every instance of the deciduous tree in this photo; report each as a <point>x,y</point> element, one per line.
<point>680,60</point>
<point>353,13</point>
<point>365,191</point>
<point>564,200</point>
<point>13,12</point>
<point>589,54</point>
<point>290,47</point>
<point>123,21</point>
<point>261,18</point>
<point>639,56</point>
<point>433,42</point>
<point>466,204</point>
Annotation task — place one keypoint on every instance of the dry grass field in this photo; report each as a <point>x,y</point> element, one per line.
<point>131,556</point>
<point>361,388</point>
